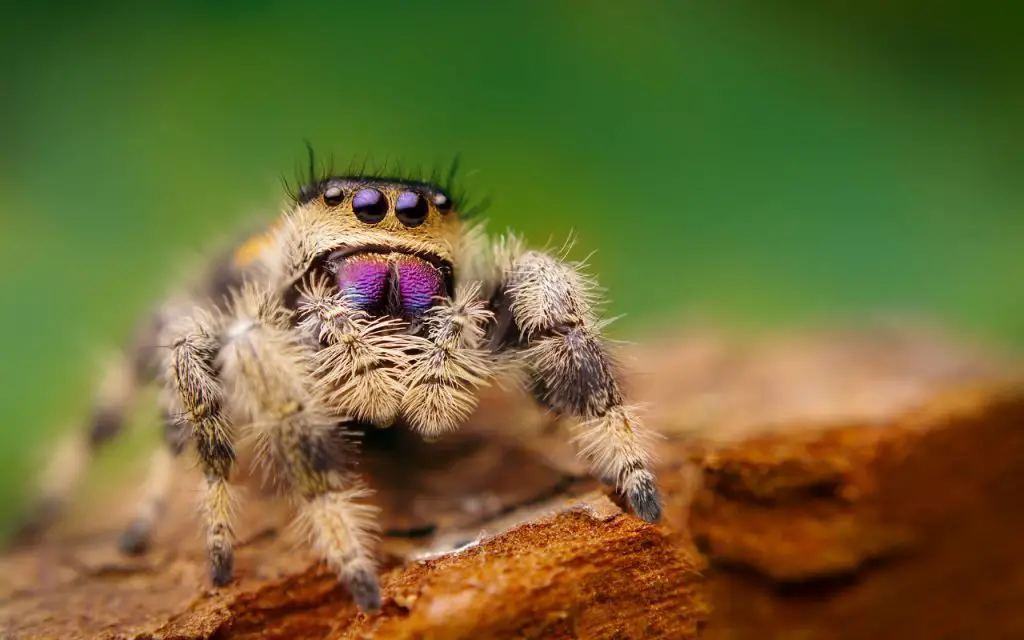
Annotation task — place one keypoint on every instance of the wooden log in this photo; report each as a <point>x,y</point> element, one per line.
<point>856,485</point>
<point>842,485</point>
<point>485,541</point>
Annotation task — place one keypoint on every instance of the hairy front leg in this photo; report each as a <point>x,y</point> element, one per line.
<point>315,463</point>
<point>551,306</point>
<point>273,374</point>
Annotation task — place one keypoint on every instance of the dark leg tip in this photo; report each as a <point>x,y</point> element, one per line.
<point>39,518</point>
<point>106,424</point>
<point>135,538</point>
<point>222,566</point>
<point>365,590</point>
<point>645,501</point>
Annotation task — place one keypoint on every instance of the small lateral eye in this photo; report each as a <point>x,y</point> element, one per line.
<point>411,208</point>
<point>370,206</point>
<point>442,202</point>
<point>333,195</point>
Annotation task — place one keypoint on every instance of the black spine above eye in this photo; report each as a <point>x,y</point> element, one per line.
<point>411,208</point>
<point>369,205</point>
<point>308,192</point>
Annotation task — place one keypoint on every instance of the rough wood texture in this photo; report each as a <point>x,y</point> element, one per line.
<point>514,548</point>
<point>847,485</point>
<point>866,485</point>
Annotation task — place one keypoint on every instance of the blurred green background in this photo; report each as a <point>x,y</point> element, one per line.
<point>762,164</point>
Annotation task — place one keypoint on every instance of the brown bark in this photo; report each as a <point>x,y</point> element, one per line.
<point>847,485</point>
<point>547,557</point>
<point>860,486</point>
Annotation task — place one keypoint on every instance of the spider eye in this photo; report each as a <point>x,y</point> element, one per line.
<point>442,202</point>
<point>370,206</point>
<point>333,196</point>
<point>411,208</point>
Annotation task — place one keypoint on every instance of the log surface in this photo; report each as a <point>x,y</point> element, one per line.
<point>485,540</point>
<point>858,484</point>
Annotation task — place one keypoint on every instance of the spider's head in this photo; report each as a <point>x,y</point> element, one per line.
<point>389,243</point>
<point>386,213</point>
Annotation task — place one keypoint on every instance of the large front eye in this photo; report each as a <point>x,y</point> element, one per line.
<point>370,206</point>
<point>411,208</point>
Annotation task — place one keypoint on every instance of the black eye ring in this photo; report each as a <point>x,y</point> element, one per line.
<point>369,205</point>
<point>411,208</point>
<point>334,195</point>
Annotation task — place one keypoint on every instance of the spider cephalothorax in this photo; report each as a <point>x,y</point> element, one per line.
<point>388,244</point>
<point>369,300</point>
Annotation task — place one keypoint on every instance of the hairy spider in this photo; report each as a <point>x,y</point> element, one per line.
<point>370,301</point>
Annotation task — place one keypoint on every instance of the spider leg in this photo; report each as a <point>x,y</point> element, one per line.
<point>548,308</point>
<point>310,453</point>
<point>159,479</point>
<point>73,453</point>
<point>195,374</point>
<point>275,381</point>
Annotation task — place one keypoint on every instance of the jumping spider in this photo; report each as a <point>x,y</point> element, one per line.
<point>371,300</point>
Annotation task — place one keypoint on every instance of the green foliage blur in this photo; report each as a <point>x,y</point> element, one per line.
<point>758,164</point>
